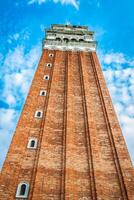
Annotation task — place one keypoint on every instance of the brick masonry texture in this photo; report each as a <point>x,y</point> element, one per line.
<point>81,153</point>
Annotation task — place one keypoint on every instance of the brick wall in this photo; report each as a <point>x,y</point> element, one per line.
<point>81,153</point>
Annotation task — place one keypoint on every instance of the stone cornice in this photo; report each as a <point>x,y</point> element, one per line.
<point>67,37</point>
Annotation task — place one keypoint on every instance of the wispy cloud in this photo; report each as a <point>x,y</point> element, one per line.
<point>16,74</point>
<point>8,119</point>
<point>21,36</point>
<point>74,3</point>
<point>18,66</point>
<point>120,81</point>
<point>118,58</point>
<point>67,2</point>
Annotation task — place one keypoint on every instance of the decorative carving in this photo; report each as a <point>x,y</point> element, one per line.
<point>74,38</point>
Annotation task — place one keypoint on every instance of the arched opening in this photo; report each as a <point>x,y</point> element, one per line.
<point>51,55</point>
<point>46,77</point>
<point>58,39</point>
<point>66,40</point>
<point>23,189</point>
<point>43,92</point>
<point>38,114</point>
<point>32,143</point>
<point>81,40</point>
<point>49,64</point>
<point>73,40</point>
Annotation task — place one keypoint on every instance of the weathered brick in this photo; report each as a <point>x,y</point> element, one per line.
<point>81,152</point>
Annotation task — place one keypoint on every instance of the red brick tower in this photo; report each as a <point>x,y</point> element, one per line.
<point>68,144</point>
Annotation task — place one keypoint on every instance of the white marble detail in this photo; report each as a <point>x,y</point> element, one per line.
<point>73,38</point>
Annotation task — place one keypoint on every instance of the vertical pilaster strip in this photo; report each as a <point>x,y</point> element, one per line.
<point>63,175</point>
<point>35,167</point>
<point>87,134</point>
<point>113,148</point>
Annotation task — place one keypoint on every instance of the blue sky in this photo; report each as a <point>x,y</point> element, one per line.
<point>22,24</point>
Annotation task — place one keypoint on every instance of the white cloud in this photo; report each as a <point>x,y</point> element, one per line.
<point>8,119</point>
<point>67,2</point>
<point>130,110</point>
<point>119,108</point>
<point>16,74</point>
<point>14,59</point>
<point>18,70</point>
<point>16,36</point>
<point>109,75</point>
<point>120,82</point>
<point>36,1</point>
<point>10,99</point>
<point>117,58</point>
<point>131,62</point>
<point>21,36</point>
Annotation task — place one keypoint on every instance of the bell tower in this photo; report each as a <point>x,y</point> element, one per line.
<point>68,144</point>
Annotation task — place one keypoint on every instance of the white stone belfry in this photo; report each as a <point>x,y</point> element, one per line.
<point>67,37</point>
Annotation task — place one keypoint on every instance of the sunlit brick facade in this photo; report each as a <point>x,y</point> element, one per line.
<point>68,144</point>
